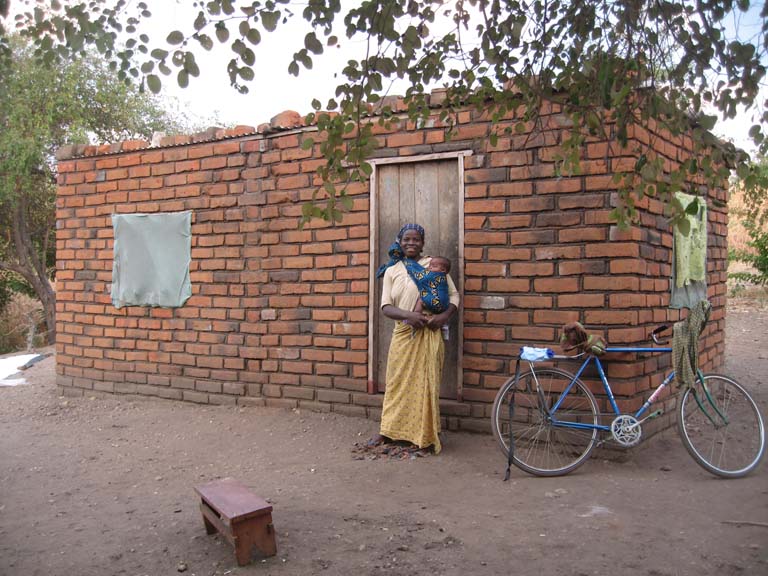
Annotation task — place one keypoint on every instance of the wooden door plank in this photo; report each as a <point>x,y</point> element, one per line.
<point>389,215</point>
<point>407,194</point>
<point>448,242</point>
<point>427,207</point>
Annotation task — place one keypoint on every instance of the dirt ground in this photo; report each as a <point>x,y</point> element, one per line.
<point>105,487</point>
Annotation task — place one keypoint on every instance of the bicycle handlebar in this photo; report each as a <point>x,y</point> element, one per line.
<point>659,330</point>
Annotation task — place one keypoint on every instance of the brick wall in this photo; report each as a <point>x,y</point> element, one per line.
<point>279,315</point>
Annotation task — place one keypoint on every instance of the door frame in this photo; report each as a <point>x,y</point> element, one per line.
<point>457,155</point>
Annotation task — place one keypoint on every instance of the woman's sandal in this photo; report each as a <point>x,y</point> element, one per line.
<point>375,442</point>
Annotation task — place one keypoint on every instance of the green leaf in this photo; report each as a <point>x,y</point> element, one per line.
<point>154,83</point>
<point>246,73</point>
<point>182,78</point>
<point>200,21</point>
<point>248,56</point>
<point>683,226</point>
<point>175,37</point>
<point>270,19</point>
<point>222,33</point>
<point>205,41</point>
<point>253,36</point>
<point>312,44</point>
<point>346,202</point>
<point>190,65</point>
<point>307,143</point>
<point>227,8</point>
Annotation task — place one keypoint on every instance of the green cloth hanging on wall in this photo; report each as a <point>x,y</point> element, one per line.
<point>691,249</point>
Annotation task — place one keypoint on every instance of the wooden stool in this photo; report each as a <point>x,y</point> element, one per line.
<point>242,517</point>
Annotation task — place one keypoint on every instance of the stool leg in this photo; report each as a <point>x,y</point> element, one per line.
<point>264,537</point>
<point>209,528</point>
<point>243,551</point>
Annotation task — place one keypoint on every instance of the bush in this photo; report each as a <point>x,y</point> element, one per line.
<point>15,321</point>
<point>756,255</point>
<point>748,214</point>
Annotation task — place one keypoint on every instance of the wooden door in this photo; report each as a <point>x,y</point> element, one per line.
<point>427,193</point>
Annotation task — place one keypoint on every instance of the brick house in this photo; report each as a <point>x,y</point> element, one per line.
<point>287,317</point>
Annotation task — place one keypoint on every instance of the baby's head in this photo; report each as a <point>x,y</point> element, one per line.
<point>439,264</point>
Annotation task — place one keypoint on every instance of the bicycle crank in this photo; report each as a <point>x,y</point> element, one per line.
<point>627,430</point>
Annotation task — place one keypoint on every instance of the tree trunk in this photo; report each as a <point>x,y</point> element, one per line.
<point>32,268</point>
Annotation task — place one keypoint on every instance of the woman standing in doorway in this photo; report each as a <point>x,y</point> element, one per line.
<point>411,410</point>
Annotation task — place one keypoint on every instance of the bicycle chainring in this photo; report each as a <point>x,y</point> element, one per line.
<point>626,430</point>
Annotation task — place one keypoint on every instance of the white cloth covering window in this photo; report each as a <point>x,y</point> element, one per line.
<point>152,253</point>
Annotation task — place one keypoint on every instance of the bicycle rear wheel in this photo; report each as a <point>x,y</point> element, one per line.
<point>727,439</point>
<point>544,443</point>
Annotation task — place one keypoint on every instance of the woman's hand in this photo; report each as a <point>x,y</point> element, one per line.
<point>417,320</point>
<point>439,320</point>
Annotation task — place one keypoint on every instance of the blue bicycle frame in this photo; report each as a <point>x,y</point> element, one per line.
<point>606,387</point>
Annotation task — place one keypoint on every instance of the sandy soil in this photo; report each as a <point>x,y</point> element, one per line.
<point>105,487</point>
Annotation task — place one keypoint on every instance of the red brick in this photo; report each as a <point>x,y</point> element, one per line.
<point>485,238</point>
<point>490,269</point>
<point>612,250</point>
<point>503,254</point>
<point>600,317</point>
<point>556,285</point>
<point>484,364</point>
<point>484,333</point>
<point>557,252</point>
<point>530,302</point>
<point>532,204</point>
<point>627,335</point>
<point>405,139</point>
<point>582,235</point>
<point>479,206</point>
<point>509,284</point>
<point>581,267</point>
<point>607,283</point>
<point>558,317</point>
<point>628,266</point>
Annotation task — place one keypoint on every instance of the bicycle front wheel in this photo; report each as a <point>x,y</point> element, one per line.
<point>546,443</point>
<point>722,431</point>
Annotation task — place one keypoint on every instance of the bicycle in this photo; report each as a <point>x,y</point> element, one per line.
<point>551,418</point>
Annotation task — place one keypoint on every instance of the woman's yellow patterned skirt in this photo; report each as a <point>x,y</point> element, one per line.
<point>411,400</point>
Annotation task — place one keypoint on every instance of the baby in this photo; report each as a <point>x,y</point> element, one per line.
<point>436,299</point>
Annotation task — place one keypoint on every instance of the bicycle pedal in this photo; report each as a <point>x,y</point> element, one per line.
<point>652,416</point>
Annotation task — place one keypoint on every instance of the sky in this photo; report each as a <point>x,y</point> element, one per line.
<point>272,91</point>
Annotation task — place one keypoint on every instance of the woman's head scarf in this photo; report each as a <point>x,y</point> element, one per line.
<point>404,229</point>
<point>395,251</point>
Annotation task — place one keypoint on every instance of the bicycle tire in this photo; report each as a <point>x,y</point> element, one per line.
<point>732,450</point>
<point>542,448</point>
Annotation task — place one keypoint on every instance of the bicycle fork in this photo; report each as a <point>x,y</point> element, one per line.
<point>711,402</point>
